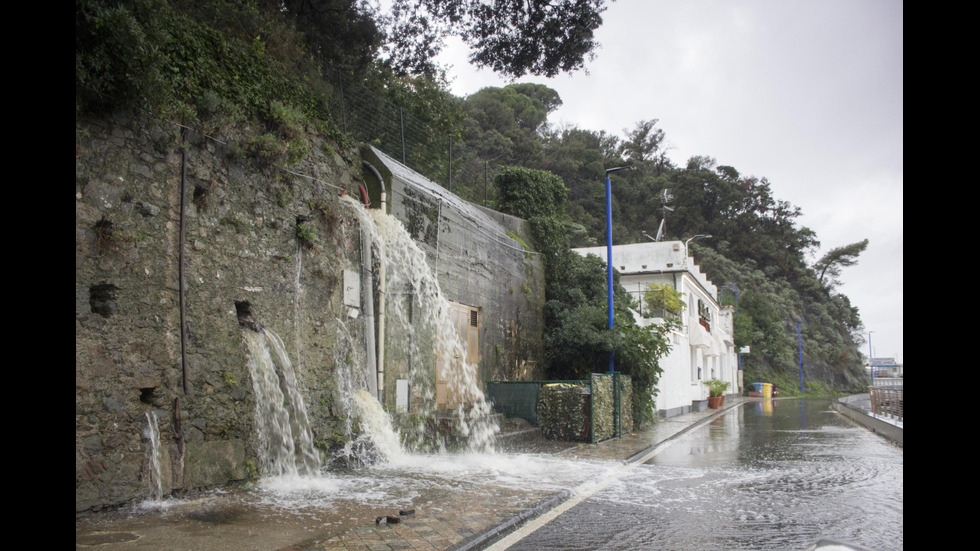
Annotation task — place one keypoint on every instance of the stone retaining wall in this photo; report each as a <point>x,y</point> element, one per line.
<point>255,246</point>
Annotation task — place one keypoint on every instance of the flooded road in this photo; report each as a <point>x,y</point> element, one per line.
<point>471,491</point>
<point>766,475</point>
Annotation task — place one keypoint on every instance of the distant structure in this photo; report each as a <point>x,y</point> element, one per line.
<point>886,367</point>
<point>703,348</point>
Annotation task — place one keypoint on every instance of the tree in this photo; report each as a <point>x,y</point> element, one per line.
<point>663,298</point>
<point>511,37</point>
<point>643,142</point>
<point>514,113</point>
<point>830,264</point>
<point>343,34</point>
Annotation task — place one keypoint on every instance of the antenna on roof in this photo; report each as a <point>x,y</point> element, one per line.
<point>667,197</point>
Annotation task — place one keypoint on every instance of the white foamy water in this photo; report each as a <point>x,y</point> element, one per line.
<point>153,453</point>
<point>388,469</point>
<point>425,323</point>
<point>285,439</point>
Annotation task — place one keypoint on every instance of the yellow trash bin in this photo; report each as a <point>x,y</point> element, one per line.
<point>767,390</point>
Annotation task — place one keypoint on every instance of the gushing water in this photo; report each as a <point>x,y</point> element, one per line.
<point>419,315</point>
<point>377,426</point>
<point>284,436</point>
<point>418,321</point>
<point>153,452</point>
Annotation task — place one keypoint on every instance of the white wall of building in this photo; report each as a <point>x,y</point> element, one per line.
<point>699,351</point>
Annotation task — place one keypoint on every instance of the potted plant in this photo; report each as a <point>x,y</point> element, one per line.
<point>716,392</point>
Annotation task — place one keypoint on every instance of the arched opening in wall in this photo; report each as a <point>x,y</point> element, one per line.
<point>376,182</point>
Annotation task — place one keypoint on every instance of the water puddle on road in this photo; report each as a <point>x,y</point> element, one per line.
<point>286,510</point>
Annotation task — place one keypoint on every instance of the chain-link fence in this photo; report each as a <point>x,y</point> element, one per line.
<point>433,151</point>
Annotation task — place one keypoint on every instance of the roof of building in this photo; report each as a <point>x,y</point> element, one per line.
<point>652,258</point>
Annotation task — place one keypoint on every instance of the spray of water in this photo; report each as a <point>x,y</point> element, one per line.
<point>419,324</point>
<point>377,427</point>
<point>285,439</point>
<point>152,434</point>
<point>367,428</point>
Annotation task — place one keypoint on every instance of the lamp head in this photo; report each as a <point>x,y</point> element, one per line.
<point>618,168</point>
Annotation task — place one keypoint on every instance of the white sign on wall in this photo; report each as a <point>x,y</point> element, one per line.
<point>352,288</point>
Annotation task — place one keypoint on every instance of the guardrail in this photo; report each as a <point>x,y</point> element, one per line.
<point>888,401</point>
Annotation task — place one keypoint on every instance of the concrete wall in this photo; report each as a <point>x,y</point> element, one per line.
<point>156,206</point>
<point>481,261</point>
<point>861,416</point>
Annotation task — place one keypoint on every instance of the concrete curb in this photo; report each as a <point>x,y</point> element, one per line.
<point>492,535</point>
<point>877,426</point>
<point>638,455</point>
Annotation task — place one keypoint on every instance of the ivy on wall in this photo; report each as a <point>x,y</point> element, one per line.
<point>626,400</point>
<point>563,410</point>
<point>602,407</point>
<point>576,412</point>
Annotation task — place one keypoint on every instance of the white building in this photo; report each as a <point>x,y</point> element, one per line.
<point>703,347</point>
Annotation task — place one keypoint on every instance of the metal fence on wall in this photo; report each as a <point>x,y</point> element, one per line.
<point>369,117</point>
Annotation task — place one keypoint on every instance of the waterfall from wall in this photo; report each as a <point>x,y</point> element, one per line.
<point>285,439</point>
<point>369,432</point>
<point>419,313</point>
<point>376,425</point>
<point>297,302</point>
<point>153,456</point>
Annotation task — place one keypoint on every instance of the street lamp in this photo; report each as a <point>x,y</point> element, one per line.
<point>871,362</point>
<point>698,236</point>
<point>609,263</point>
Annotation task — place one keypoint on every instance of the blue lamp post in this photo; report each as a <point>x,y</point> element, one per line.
<point>609,264</point>
<point>871,362</point>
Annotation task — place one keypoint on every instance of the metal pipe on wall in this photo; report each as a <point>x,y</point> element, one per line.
<point>382,298</point>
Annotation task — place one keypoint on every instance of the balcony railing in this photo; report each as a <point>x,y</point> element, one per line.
<point>888,401</point>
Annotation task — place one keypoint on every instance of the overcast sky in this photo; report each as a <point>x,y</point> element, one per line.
<point>806,93</point>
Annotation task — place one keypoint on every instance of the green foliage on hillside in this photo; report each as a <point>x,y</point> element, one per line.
<point>288,69</point>
<point>756,248</point>
<point>197,62</point>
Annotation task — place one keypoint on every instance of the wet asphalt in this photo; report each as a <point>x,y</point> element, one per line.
<point>466,518</point>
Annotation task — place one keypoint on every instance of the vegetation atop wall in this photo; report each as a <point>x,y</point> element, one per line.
<point>287,69</point>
